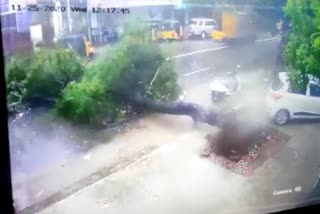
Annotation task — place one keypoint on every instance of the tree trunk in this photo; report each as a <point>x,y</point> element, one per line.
<point>196,112</point>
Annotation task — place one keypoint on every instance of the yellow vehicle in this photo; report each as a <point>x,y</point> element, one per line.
<point>78,43</point>
<point>169,30</point>
<point>153,25</point>
<point>237,26</point>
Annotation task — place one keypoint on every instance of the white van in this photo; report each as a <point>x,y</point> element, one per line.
<point>202,27</point>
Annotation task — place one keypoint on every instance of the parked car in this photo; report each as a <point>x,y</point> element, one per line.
<point>202,27</point>
<point>283,104</point>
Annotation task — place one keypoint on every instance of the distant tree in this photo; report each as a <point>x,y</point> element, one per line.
<point>40,77</point>
<point>302,51</point>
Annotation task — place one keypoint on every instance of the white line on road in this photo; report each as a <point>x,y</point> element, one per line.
<point>197,71</point>
<point>215,49</point>
<point>197,52</point>
<point>269,39</point>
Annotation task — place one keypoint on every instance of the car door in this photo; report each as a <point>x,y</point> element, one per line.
<point>313,103</point>
<point>297,103</point>
<point>200,27</point>
<point>209,26</point>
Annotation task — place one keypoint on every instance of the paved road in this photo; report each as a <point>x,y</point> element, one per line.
<point>174,179</point>
<point>198,65</point>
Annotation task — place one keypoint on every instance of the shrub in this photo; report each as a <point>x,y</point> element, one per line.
<point>16,74</point>
<point>51,70</point>
<point>41,76</point>
<point>85,102</point>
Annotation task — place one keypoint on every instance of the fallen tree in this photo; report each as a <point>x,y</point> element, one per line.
<point>196,112</point>
<point>136,75</point>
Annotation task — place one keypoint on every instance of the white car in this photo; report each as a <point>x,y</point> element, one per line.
<point>284,105</point>
<point>202,27</point>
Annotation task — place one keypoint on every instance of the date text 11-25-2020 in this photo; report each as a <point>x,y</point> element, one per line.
<point>51,8</point>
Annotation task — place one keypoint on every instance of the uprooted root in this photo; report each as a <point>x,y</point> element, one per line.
<point>234,139</point>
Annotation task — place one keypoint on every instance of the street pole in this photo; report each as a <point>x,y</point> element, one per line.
<point>69,16</point>
<point>89,20</point>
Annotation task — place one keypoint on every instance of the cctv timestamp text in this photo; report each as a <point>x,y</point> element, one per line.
<point>51,8</point>
<point>111,10</point>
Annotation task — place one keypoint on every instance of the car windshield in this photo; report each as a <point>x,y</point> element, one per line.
<point>161,106</point>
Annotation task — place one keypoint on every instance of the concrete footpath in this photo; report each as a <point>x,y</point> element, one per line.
<point>175,179</point>
<point>33,191</point>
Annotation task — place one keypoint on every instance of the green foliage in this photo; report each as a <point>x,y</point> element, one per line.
<point>41,76</point>
<point>51,71</point>
<point>16,73</point>
<point>85,102</point>
<point>302,52</point>
<point>165,88</point>
<point>91,101</point>
<point>127,71</point>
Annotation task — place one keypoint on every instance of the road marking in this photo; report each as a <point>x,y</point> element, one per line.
<point>215,49</point>
<point>269,39</point>
<point>198,52</point>
<point>197,71</point>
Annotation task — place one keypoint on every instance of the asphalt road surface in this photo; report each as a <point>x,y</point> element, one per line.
<point>207,58</point>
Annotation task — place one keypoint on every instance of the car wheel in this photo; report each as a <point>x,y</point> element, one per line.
<point>282,117</point>
<point>203,35</point>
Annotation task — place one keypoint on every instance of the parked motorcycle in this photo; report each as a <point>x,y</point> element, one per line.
<point>226,85</point>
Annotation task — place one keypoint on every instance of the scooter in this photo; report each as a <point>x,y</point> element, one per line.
<point>225,86</point>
